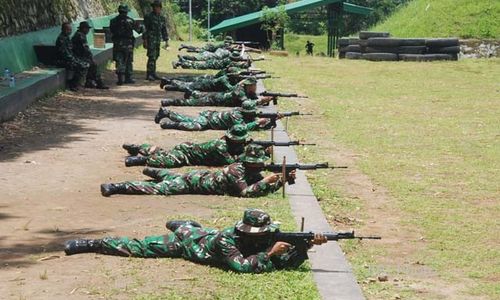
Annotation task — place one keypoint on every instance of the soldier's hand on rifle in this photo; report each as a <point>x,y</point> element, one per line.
<point>293,174</point>
<point>262,121</point>
<point>266,99</point>
<point>269,150</point>
<point>280,116</point>
<point>272,178</point>
<point>319,239</point>
<point>279,248</point>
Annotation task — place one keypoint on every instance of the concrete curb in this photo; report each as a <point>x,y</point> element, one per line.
<point>331,271</point>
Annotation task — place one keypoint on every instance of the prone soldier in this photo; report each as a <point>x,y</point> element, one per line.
<point>82,51</point>
<point>156,31</point>
<point>66,58</point>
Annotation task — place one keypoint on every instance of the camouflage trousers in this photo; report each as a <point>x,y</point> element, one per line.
<point>93,73</point>
<point>124,62</point>
<point>177,157</point>
<point>153,52</point>
<point>202,85</point>
<point>188,123</point>
<point>79,67</point>
<point>212,64</point>
<point>150,247</point>
<point>200,100</point>
<point>167,183</point>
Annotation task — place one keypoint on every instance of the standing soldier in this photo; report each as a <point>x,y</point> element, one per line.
<point>122,29</point>
<point>82,51</point>
<point>309,48</point>
<point>67,59</point>
<point>156,31</point>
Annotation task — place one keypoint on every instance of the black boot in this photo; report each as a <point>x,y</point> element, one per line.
<point>168,102</point>
<point>90,84</point>
<point>100,85</point>
<point>162,113</point>
<point>173,225</point>
<point>188,94</point>
<point>129,80</point>
<point>171,88</point>
<point>164,81</point>
<point>108,189</point>
<point>82,246</point>
<point>121,79</point>
<point>135,161</point>
<point>150,77</point>
<point>132,149</point>
<point>175,64</point>
<point>154,173</point>
<point>155,76</point>
<point>169,124</point>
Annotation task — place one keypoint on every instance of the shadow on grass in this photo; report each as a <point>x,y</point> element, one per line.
<point>23,254</point>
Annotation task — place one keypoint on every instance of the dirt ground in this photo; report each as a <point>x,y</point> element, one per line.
<point>52,160</point>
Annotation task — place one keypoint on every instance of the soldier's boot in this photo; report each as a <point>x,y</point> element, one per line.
<point>164,81</point>
<point>154,173</point>
<point>175,64</point>
<point>172,88</point>
<point>100,85</point>
<point>132,149</point>
<point>132,161</point>
<point>90,84</point>
<point>169,124</point>
<point>162,113</point>
<point>188,94</point>
<point>82,246</point>
<point>168,102</point>
<point>121,79</point>
<point>156,77</point>
<point>108,189</point>
<point>150,77</point>
<point>175,224</point>
<point>182,47</point>
<point>129,79</point>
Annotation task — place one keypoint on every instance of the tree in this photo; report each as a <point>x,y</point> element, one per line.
<point>274,21</point>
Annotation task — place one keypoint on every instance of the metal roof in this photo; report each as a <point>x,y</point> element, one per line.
<point>254,18</point>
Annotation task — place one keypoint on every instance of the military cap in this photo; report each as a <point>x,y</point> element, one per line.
<point>256,221</point>
<point>237,133</point>
<point>248,106</point>
<point>84,24</point>
<point>229,39</point>
<point>249,81</point>
<point>156,3</point>
<point>254,154</point>
<point>123,8</point>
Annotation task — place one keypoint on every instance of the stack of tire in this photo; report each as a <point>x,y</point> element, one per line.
<point>379,46</point>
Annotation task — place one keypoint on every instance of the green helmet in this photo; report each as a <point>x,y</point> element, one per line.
<point>238,132</point>
<point>254,154</point>
<point>123,8</point>
<point>256,221</point>
<point>249,81</point>
<point>248,106</point>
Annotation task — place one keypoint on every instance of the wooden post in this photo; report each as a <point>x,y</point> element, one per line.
<point>272,147</point>
<point>302,224</point>
<point>283,175</point>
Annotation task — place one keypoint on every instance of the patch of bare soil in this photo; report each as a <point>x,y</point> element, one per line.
<point>52,160</point>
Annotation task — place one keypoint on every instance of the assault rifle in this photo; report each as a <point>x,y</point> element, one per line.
<point>245,43</point>
<point>274,116</point>
<point>287,168</point>
<point>263,76</point>
<point>276,95</point>
<point>266,144</point>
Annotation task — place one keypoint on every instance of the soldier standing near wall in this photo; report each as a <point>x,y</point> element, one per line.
<point>122,29</point>
<point>156,31</point>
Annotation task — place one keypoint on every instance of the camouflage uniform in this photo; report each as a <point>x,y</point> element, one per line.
<point>203,84</point>
<point>122,29</point>
<point>81,50</point>
<point>67,59</point>
<point>203,245</point>
<point>207,55</point>
<point>212,64</point>
<point>156,31</point>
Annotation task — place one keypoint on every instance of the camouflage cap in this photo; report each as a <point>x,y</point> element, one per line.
<point>157,3</point>
<point>256,221</point>
<point>238,132</point>
<point>248,106</point>
<point>123,8</point>
<point>254,154</point>
<point>249,81</point>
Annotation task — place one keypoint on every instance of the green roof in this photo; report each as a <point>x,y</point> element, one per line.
<point>254,18</point>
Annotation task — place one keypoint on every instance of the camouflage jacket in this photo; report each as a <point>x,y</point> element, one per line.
<point>64,48</point>
<point>156,28</point>
<point>211,153</point>
<point>232,180</point>
<point>218,54</point>
<point>234,97</point>
<point>205,245</point>
<point>122,30</point>
<point>227,119</point>
<point>212,47</point>
<point>81,47</point>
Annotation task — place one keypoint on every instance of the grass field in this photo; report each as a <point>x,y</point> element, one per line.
<point>445,18</point>
<point>428,133</point>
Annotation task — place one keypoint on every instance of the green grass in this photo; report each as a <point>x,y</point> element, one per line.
<point>213,283</point>
<point>445,18</point>
<point>296,43</point>
<point>428,133</point>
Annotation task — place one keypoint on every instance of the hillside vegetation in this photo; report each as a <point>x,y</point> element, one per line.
<point>445,18</point>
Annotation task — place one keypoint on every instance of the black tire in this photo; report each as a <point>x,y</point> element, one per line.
<point>353,48</point>
<point>440,43</point>
<point>353,55</point>
<point>384,42</point>
<point>380,56</point>
<point>412,42</point>
<point>353,41</point>
<point>363,43</point>
<point>425,57</point>
<point>394,50</point>
<point>343,49</point>
<point>341,55</point>
<point>445,50</point>
<point>412,50</point>
<point>343,42</point>
<point>364,35</point>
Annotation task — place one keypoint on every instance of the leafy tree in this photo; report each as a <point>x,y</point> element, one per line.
<point>273,21</point>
